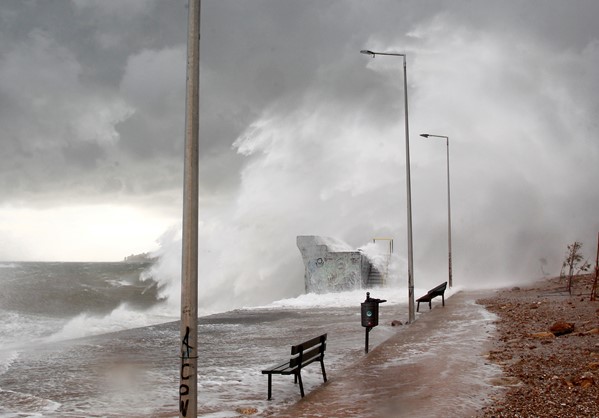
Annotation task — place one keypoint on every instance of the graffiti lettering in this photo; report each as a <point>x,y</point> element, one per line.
<point>183,391</point>
<point>183,366</point>
<point>186,351</point>
<point>183,407</point>
<point>185,347</point>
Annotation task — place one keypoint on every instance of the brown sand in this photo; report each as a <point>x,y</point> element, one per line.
<point>545,375</point>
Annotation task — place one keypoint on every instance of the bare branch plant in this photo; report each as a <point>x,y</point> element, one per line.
<point>594,288</point>
<point>574,263</point>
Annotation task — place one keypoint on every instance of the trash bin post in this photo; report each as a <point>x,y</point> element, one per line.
<point>370,315</point>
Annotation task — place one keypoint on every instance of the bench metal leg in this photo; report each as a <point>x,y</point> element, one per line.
<point>324,373</point>
<point>443,298</point>
<point>418,307</point>
<point>299,377</point>
<point>269,387</point>
<point>430,304</point>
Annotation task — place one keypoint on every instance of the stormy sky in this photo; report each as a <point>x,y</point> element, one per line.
<point>300,134</point>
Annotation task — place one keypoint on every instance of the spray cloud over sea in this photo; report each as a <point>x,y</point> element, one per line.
<point>329,160</point>
<point>292,185</point>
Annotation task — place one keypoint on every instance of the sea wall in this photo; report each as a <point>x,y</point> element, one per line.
<point>331,265</point>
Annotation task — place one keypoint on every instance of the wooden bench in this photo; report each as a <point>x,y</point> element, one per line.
<point>433,293</point>
<point>301,355</point>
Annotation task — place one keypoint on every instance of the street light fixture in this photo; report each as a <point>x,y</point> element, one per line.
<point>448,202</point>
<point>411,314</point>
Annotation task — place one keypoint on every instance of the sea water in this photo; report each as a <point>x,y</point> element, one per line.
<point>96,339</point>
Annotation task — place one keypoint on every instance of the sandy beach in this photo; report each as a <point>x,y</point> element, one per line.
<point>546,375</point>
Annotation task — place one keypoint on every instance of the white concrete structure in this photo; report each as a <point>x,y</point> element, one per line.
<point>333,266</point>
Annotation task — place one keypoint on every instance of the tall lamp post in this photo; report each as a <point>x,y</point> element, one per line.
<point>448,202</point>
<point>408,183</point>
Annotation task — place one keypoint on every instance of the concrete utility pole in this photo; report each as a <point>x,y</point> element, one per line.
<point>188,373</point>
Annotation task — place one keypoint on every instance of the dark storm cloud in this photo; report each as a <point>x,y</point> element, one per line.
<point>65,71</point>
<point>255,54</point>
<point>92,107</point>
<point>60,57</point>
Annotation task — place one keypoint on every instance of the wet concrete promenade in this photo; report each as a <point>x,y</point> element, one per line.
<point>434,367</point>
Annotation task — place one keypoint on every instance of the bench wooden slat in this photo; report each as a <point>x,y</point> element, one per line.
<point>280,369</point>
<point>308,344</point>
<point>307,357</point>
<point>424,298</point>
<point>439,289</point>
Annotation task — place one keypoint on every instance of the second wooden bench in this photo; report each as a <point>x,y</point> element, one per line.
<point>433,293</point>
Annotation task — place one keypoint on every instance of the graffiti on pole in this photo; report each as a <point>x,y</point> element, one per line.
<point>186,350</point>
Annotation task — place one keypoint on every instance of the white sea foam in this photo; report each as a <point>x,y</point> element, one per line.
<point>124,317</point>
<point>121,318</point>
<point>393,296</point>
<point>18,329</point>
<point>28,405</point>
<point>118,283</point>
<point>7,357</point>
<point>8,265</point>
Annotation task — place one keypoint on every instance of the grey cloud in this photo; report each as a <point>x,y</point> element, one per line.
<point>60,80</point>
<point>92,100</point>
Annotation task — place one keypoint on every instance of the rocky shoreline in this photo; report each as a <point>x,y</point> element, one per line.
<point>548,348</point>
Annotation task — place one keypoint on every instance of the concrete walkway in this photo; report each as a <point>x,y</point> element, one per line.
<point>434,367</point>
